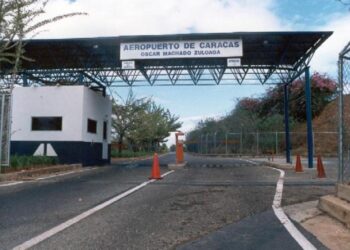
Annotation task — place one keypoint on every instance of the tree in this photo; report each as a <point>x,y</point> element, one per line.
<point>156,124</point>
<point>266,113</point>
<point>142,122</point>
<point>127,116</point>
<point>19,21</point>
<point>323,89</point>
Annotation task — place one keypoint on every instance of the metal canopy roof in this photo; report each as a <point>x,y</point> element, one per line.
<point>268,58</point>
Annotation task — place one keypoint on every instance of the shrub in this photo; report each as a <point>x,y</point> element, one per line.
<point>24,161</point>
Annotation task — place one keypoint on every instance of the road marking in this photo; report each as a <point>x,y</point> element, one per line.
<point>46,177</point>
<point>63,174</point>
<point>11,184</point>
<point>283,218</point>
<point>57,175</point>
<point>37,239</point>
<point>249,161</point>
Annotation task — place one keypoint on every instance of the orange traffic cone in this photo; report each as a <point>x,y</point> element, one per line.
<point>298,166</point>
<point>155,174</point>
<point>320,169</point>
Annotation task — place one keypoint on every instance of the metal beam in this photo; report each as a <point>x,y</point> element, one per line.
<point>95,81</point>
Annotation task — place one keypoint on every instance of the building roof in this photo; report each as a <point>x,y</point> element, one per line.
<point>259,48</point>
<point>269,57</point>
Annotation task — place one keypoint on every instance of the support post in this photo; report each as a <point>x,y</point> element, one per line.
<point>286,123</point>
<point>340,121</point>
<point>310,139</point>
<point>226,143</point>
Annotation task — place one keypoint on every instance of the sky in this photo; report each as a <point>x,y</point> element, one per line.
<point>156,17</point>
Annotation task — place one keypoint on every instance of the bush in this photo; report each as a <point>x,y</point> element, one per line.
<point>129,153</point>
<point>25,161</point>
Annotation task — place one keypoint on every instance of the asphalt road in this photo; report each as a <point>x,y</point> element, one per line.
<point>189,209</point>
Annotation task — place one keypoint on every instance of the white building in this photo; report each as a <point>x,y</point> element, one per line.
<point>70,122</point>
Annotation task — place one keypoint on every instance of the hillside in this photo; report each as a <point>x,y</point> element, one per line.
<point>325,127</point>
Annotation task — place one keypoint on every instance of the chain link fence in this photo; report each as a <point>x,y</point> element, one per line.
<point>5,122</point>
<point>344,117</point>
<point>262,143</point>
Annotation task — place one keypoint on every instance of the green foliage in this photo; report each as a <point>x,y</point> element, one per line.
<point>129,153</point>
<point>19,19</point>
<point>267,112</point>
<point>142,123</point>
<point>172,148</point>
<point>323,90</point>
<point>24,161</point>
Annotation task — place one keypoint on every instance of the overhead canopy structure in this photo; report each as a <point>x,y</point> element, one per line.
<point>265,58</point>
<point>188,59</point>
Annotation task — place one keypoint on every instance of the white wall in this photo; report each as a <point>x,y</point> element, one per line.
<point>73,103</point>
<point>98,108</point>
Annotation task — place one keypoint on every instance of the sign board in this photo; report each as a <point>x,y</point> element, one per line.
<point>233,62</point>
<point>128,64</point>
<point>182,49</point>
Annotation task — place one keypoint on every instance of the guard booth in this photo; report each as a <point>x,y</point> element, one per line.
<point>71,123</point>
<point>237,58</point>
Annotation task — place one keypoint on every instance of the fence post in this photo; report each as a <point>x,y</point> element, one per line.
<point>226,144</point>
<point>257,143</point>
<point>313,143</point>
<point>340,120</point>
<point>206,143</point>
<point>241,143</point>
<point>215,151</point>
<point>1,127</point>
<point>286,122</point>
<point>276,141</point>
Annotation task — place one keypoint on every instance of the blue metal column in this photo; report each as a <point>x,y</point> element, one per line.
<point>309,117</point>
<point>286,123</point>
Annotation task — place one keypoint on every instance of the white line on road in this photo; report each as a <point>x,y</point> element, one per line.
<point>46,177</point>
<point>11,184</point>
<point>36,240</point>
<point>249,161</point>
<point>276,206</point>
<point>63,174</point>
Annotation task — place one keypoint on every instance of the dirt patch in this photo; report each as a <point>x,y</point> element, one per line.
<point>327,121</point>
<point>31,173</point>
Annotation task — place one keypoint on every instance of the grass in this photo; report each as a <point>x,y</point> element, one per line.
<point>129,154</point>
<point>24,161</point>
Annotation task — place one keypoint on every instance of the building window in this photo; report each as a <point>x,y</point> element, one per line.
<point>104,130</point>
<point>46,123</point>
<point>92,126</point>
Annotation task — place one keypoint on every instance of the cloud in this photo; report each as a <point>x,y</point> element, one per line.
<point>326,57</point>
<point>137,17</point>
<point>188,124</point>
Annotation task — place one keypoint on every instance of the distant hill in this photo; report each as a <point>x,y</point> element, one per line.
<point>325,127</point>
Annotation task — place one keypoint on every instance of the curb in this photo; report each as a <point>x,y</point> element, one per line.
<point>130,160</point>
<point>285,166</point>
<point>30,174</point>
<point>174,166</point>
